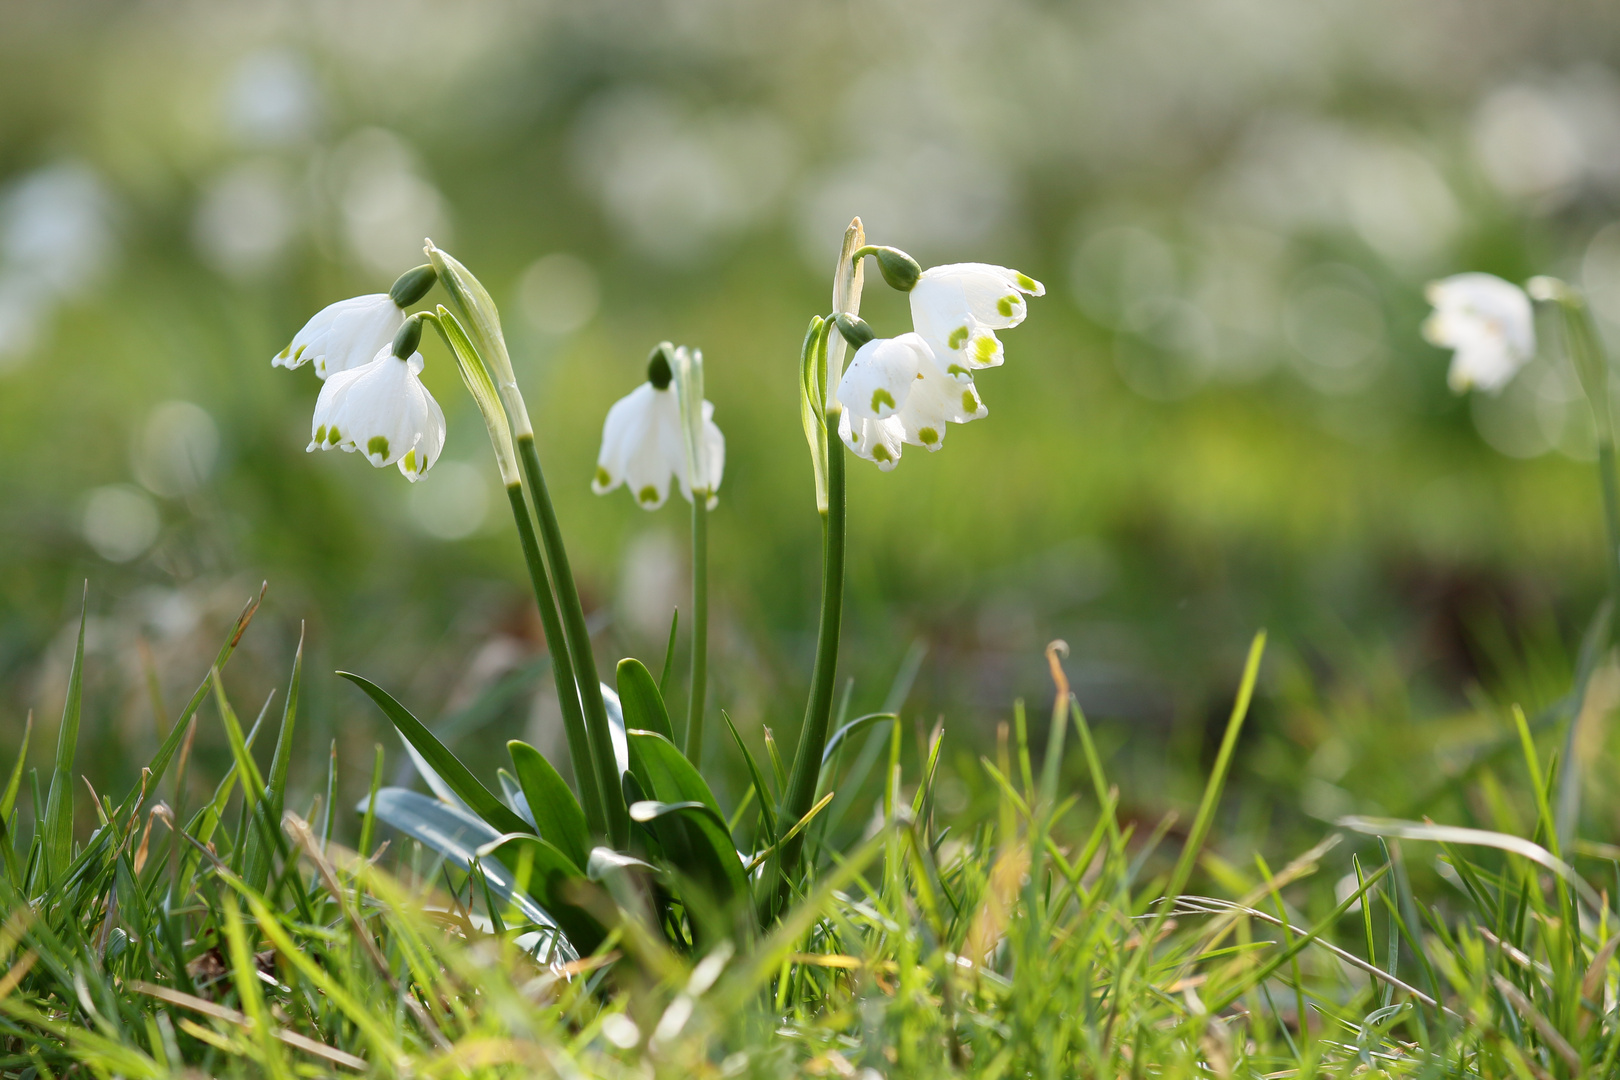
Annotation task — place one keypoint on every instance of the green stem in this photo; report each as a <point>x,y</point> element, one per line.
<point>1610,484</point>
<point>818,710</point>
<point>561,665</point>
<point>579,645</point>
<point>700,627</point>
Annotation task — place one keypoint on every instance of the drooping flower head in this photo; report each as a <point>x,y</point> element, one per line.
<point>382,410</point>
<point>895,391</point>
<point>350,332</point>
<point>959,308</point>
<point>1490,324</point>
<point>645,440</point>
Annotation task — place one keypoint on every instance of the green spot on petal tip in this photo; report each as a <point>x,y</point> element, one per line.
<point>377,446</point>
<point>880,398</point>
<point>928,436</point>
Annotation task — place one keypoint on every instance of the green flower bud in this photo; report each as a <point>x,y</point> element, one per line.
<point>409,337</point>
<point>854,329</point>
<point>900,271</point>
<point>659,373</point>
<point>412,285</point>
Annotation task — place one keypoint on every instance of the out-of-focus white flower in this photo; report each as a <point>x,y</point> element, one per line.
<point>383,410</point>
<point>643,444</point>
<point>895,391</point>
<point>1488,322</point>
<point>960,306</point>
<point>344,335</point>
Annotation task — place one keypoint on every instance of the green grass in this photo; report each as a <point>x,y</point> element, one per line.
<point>1049,937</point>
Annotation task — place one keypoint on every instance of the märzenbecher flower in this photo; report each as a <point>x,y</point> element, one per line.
<point>382,409</point>
<point>1490,324</point>
<point>643,444</point>
<point>351,332</point>
<point>895,391</point>
<point>960,306</point>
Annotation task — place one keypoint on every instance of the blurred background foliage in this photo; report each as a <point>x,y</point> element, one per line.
<point>1221,416</point>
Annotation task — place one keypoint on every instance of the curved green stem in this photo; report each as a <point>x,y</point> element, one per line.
<point>700,627</point>
<point>801,789</point>
<point>597,734</point>
<point>562,667</point>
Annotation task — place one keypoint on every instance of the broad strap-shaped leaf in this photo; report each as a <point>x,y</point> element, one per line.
<point>557,814</point>
<point>447,765</point>
<point>664,772</point>
<point>554,880</point>
<point>457,835</point>
<point>58,823</point>
<point>641,701</point>
<point>767,801</point>
<point>698,844</point>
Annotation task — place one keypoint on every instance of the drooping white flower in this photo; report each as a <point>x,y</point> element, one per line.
<point>960,306</point>
<point>344,335</point>
<point>382,410</point>
<point>1490,324</point>
<point>644,445</point>
<point>349,333</point>
<point>894,392</point>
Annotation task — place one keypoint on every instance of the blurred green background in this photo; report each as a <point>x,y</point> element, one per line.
<point>1221,417</point>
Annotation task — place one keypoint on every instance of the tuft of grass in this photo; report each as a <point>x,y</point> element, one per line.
<point>1051,937</point>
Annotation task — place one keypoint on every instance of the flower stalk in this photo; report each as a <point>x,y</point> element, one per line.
<point>1578,336</point>
<point>478,382</point>
<point>484,327</point>
<point>700,630</point>
<point>821,367</point>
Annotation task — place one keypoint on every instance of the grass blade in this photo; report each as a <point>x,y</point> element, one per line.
<point>58,827</point>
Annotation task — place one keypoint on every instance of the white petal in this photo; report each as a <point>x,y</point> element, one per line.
<point>874,440</point>
<point>714,457</point>
<point>881,375</point>
<point>654,452</point>
<point>938,400</point>
<point>629,416</point>
<point>344,335</point>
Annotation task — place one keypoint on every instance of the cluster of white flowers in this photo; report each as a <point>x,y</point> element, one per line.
<point>372,400</point>
<point>906,389</point>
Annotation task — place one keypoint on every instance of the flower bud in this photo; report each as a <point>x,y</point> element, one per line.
<point>900,271</point>
<point>659,373</point>
<point>409,337</point>
<point>854,329</point>
<point>412,285</point>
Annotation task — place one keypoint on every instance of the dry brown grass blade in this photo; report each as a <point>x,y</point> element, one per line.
<point>231,1016</point>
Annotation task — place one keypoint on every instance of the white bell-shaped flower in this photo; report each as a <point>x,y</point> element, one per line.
<point>960,306</point>
<point>895,391</point>
<point>1490,324</point>
<point>344,335</point>
<point>382,410</point>
<point>643,447</point>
